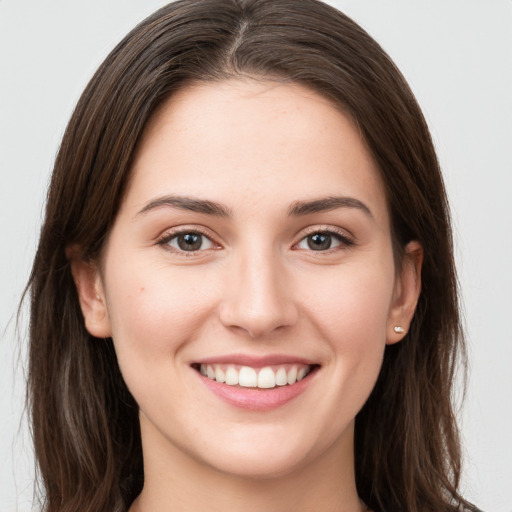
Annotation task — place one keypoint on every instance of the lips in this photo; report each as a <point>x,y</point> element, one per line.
<point>256,383</point>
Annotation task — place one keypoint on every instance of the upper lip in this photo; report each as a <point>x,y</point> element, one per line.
<point>255,361</point>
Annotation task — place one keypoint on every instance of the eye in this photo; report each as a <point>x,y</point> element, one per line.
<point>323,241</point>
<point>188,241</point>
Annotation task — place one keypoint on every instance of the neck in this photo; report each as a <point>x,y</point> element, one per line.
<point>178,482</point>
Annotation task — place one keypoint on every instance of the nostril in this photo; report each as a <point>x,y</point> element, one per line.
<point>258,323</point>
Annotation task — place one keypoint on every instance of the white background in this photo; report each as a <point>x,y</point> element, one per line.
<point>457,56</point>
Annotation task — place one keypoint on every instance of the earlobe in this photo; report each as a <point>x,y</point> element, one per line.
<point>91,295</point>
<point>406,294</point>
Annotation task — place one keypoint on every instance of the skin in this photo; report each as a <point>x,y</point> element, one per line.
<point>257,288</point>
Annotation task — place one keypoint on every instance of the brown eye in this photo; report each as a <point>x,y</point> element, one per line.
<point>190,241</point>
<point>324,241</point>
<point>319,241</point>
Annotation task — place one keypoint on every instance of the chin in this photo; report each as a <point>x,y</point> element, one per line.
<point>259,466</point>
<point>271,453</point>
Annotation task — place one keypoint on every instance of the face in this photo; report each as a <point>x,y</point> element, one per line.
<point>248,282</point>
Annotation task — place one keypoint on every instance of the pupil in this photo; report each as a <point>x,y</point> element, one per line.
<point>318,242</point>
<point>189,242</point>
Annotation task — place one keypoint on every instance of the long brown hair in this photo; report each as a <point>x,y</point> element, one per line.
<point>85,422</point>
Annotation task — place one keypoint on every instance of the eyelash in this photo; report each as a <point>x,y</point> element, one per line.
<point>345,242</point>
<point>166,238</point>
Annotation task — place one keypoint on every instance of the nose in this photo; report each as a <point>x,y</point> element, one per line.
<point>259,297</point>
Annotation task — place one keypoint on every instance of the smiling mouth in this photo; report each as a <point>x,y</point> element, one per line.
<point>267,377</point>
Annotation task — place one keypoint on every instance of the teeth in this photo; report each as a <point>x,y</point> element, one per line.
<point>247,377</point>
<point>281,377</point>
<point>292,375</point>
<point>266,378</point>
<point>220,376</point>
<point>231,376</point>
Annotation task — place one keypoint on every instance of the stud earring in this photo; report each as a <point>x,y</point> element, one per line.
<point>98,296</point>
<point>398,329</point>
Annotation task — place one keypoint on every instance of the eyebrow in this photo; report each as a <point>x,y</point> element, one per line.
<point>300,208</point>
<point>297,209</point>
<point>187,203</point>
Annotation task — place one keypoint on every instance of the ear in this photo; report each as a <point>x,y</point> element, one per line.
<point>406,293</point>
<point>91,294</point>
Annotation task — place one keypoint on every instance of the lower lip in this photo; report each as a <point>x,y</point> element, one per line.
<point>256,399</point>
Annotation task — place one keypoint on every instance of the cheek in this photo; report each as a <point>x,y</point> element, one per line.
<point>351,310</point>
<point>154,311</point>
<point>352,303</point>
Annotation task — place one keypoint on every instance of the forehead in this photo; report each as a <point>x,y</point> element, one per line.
<point>238,142</point>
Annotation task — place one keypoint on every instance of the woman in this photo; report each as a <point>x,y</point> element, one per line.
<point>244,293</point>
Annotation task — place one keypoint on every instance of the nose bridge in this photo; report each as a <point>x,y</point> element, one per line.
<point>260,298</point>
